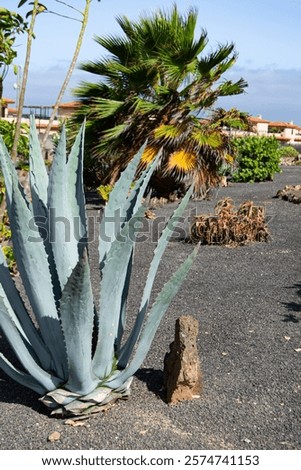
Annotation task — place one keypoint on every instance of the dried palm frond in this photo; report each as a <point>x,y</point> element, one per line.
<point>230,226</point>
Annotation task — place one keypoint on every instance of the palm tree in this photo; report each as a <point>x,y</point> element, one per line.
<point>153,85</point>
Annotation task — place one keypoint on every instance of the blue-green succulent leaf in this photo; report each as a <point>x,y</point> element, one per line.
<point>134,199</point>
<point>154,317</point>
<point>12,334</point>
<point>20,316</point>
<point>127,349</point>
<point>114,275</point>
<point>32,262</point>
<point>75,192</point>
<point>20,376</point>
<point>114,214</point>
<point>38,174</point>
<point>10,174</point>
<point>123,308</point>
<point>77,313</point>
<point>67,220</point>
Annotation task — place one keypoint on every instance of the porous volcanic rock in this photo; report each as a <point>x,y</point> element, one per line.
<point>182,371</point>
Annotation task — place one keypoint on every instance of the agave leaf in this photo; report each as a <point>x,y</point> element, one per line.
<point>114,275</point>
<point>59,396</point>
<point>124,297</point>
<point>155,315</point>
<point>115,210</point>
<point>59,217</point>
<point>76,188</point>
<point>10,174</point>
<point>66,207</point>
<point>133,202</point>
<point>48,381</point>
<point>33,266</point>
<point>127,349</point>
<point>38,173</point>
<point>77,313</point>
<point>20,376</point>
<point>39,194</point>
<point>19,315</point>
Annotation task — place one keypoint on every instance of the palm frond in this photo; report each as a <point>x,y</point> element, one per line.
<point>182,160</point>
<point>167,131</point>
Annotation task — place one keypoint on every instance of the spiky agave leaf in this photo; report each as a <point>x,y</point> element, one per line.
<point>154,317</point>
<point>46,380</point>
<point>114,274</point>
<point>123,202</point>
<point>33,266</point>
<point>77,313</point>
<point>20,315</point>
<point>71,380</point>
<point>127,348</point>
<point>67,221</point>
<point>38,176</point>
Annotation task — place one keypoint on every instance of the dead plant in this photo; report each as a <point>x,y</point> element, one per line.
<point>230,226</point>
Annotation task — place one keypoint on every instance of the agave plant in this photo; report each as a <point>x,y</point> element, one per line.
<point>76,357</point>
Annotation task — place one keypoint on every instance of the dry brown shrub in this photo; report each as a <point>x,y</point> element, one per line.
<point>290,193</point>
<point>230,226</point>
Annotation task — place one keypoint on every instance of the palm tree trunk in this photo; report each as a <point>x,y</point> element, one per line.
<point>70,71</point>
<point>24,80</point>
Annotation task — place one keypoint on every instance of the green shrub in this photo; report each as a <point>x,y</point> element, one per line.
<point>258,158</point>
<point>7,132</point>
<point>288,152</point>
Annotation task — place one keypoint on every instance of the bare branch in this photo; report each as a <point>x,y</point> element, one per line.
<point>69,6</point>
<point>63,16</point>
<point>69,73</point>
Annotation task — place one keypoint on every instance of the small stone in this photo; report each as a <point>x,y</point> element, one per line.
<point>74,423</point>
<point>182,371</point>
<point>54,436</point>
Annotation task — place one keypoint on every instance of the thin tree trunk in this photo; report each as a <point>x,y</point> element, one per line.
<point>1,93</point>
<point>24,80</point>
<point>69,73</point>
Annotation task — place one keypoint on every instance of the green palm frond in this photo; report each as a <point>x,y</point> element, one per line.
<point>114,132</point>
<point>211,139</point>
<point>229,88</point>
<point>167,132</point>
<point>103,108</point>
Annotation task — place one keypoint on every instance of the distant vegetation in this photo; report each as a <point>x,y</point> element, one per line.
<point>258,158</point>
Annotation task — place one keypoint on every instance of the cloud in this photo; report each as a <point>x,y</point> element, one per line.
<point>273,93</point>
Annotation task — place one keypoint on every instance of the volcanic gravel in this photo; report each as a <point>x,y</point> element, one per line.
<point>248,303</point>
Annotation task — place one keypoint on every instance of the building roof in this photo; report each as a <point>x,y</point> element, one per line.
<point>70,104</point>
<point>43,125</point>
<point>258,120</point>
<point>282,137</point>
<point>287,125</point>
<point>7,100</point>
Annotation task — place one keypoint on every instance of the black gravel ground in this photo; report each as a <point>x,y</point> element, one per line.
<point>247,301</point>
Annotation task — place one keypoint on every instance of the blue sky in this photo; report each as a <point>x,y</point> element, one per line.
<point>266,33</point>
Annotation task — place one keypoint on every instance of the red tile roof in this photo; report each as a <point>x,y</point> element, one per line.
<point>257,120</point>
<point>7,100</point>
<point>70,104</point>
<point>287,125</point>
